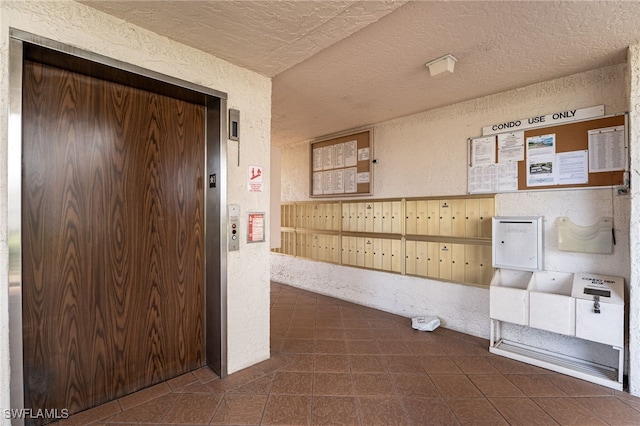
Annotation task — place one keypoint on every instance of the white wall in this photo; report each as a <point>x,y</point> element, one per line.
<point>248,269</point>
<point>634,135</point>
<point>425,155</point>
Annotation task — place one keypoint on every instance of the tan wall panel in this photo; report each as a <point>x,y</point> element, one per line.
<point>422,217</point>
<point>422,256</point>
<point>411,223</point>
<point>487,210</point>
<point>410,257</point>
<point>368,217</point>
<point>368,253</point>
<point>396,217</point>
<point>396,255</point>
<point>433,260</point>
<point>360,251</point>
<point>458,221</point>
<point>377,253</point>
<point>457,262</point>
<point>445,261</point>
<point>378,209</point>
<point>433,217</point>
<point>472,218</point>
<point>360,217</point>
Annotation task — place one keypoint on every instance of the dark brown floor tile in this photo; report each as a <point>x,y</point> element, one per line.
<point>382,324</point>
<point>303,322</point>
<point>368,384</point>
<point>474,365</point>
<point>611,410</point>
<point>104,411</point>
<point>240,409</point>
<point>522,412</point>
<point>301,333</point>
<point>567,411</point>
<point>630,400</point>
<point>363,347</point>
<point>334,323</point>
<point>298,346</point>
<point>332,384</point>
<point>192,408</point>
<point>332,363</point>
<point>335,410</point>
<point>475,411</point>
<point>368,364</point>
<point>354,323</point>
<point>330,333</point>
<point>403,364</point>
<point>330,346</point>
<point>235,380</point>
<point>197,387</point>
<point>358,334</point>
<point>496,385</point>
<point>287,410</point>
<point>259,386</point>
<point>425,348</point>
<point>205,374</point>
<point>439,365</point>
<point>535,385</point>
<point>414,385</point>
<point>382,411</point>
<point>576,387</point>
<point>461,348</point>
<point>299,362</point>
<point>178,384</point>
<point>144,395</point>
<point>385,334</point>
<point>455,386</point>
<point>429,411</point>
<point>292,383</point>
<point>394,347</point>
<point>149,412</point>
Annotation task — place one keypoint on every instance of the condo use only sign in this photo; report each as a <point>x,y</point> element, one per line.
<point>544,120</point>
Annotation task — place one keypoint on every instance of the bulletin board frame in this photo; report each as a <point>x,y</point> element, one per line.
<point>341,165</point>
<point>569,137</point>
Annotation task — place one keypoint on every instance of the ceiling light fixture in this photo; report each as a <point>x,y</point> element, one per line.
<point>440,65</point>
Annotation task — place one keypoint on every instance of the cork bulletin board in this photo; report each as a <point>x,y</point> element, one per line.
<point>586,153</point>
<point>341,166</point>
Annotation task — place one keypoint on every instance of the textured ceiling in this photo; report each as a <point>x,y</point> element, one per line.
<point>337,65</point>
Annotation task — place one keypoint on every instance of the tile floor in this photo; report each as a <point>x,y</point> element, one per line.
<point>336,363</point>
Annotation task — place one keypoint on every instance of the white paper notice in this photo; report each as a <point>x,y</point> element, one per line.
<point>363,154</point>
<point>327,182</point>
<point>350,180</point>
<point>606,149</point>
<point>483,151</point>
<point>327,157</point>
<point>350,153</point>
<point>317,183</point>
<point>338,181</point>
<point>317,159</point>
<point>338,155</point>
<point>510,147</point>
<point>541,156</point>
<point>572,167</point>
<point>363,177</point>
<point>507,177</point>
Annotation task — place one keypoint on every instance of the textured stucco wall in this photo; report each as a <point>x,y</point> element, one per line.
<point>83,27</point>
<point>425,155</point>
<point>633,76</point>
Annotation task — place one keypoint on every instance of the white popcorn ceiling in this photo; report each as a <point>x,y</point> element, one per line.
<point>338,65</point>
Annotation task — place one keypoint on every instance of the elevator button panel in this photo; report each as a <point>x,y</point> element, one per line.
<point>234,227</point>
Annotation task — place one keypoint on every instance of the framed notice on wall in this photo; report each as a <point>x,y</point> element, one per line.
<point>341,165</point>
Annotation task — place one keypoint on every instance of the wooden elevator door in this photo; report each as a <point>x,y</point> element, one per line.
<point>113,238</point>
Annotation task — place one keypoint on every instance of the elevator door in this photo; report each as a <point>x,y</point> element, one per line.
<point>113,238</point>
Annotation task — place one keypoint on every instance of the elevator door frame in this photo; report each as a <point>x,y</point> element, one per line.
<point>215,198</point>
